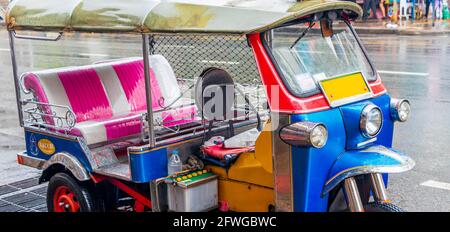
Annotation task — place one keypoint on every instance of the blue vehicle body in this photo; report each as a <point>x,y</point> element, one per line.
<point>61,145</point>
<point>316,171</point>
<point>148,165</point>
<point>144,166</point>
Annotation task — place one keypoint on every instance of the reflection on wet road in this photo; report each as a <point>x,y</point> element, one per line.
<point>413,67</point>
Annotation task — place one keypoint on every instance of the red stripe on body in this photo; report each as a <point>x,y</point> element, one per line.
<point>286,102</point>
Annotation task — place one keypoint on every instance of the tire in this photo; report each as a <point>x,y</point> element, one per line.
<point>65,194</point>
<point>107,197</point>
<point>382,207</point>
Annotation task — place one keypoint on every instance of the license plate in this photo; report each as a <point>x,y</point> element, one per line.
<point>345,89</point>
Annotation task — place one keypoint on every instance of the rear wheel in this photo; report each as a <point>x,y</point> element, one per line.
<point>382,207</point>
<point>65,194</point>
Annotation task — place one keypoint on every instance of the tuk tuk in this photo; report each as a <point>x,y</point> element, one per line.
<point>256,105</point>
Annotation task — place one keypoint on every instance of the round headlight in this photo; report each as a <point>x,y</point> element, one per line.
<point>371,121</point>
<point>400,109</point>
<point>318,136</point>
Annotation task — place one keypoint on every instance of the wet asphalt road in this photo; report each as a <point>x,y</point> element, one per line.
<point>413,67</point>
<point>426,136</point>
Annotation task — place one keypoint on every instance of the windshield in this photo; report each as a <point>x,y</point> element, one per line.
<point>304,55</point>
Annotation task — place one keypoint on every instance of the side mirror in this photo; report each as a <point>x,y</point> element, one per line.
<point>326,26</point>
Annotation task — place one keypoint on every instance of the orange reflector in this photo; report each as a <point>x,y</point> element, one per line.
<point>19,159</point>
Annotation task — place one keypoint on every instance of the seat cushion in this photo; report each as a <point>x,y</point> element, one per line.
<point>107,98</point>
<point>179,116</point>
<point>80,89</point>
<point>108,129</point>
<point>132,82</point>
<point>167,81</point>
<point>86,94</point>
<point>121,126</point>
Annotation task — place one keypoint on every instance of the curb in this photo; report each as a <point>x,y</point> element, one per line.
<point>387,31</point>
<point>384,31</point>
<point>411,32</point>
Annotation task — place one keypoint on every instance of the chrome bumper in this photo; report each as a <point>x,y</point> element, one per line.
<point>24,159</point>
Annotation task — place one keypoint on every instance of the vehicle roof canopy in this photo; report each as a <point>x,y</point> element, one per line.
<point>164,16</point>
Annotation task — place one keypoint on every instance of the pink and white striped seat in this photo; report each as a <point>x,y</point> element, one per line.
<point>108,98</point>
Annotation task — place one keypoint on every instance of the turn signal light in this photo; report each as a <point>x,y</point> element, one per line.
<point>305,134</point>
<point>400,109</point>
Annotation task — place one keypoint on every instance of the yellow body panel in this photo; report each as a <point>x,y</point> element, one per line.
<point>345,86</point>
<point>249,169</point>
<point>221,172</point>
<point>248,183</point>
<point>256,167</point>
<point>244,197</point>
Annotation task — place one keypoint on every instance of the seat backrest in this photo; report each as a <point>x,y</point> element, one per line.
<point>104,90</point>
<point>168,85</point>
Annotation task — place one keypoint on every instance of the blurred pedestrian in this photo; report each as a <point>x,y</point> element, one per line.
<point>382,9</point>
<point>369,5</point>
<point>394,8</point>
<point>427,7</point>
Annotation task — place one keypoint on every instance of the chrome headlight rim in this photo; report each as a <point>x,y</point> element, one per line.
<point>325,136</point>
<point>395,109</point>
<point>299,134</point>
<point>364,120</point>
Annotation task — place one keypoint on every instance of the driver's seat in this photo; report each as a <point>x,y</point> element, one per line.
<point>231,147</point>
<point>215,107</point>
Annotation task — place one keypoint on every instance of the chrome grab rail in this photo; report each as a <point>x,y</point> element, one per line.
<point>41,38</point>
<point>115,60</point>
<point>159,122</point>
<point>39,114</point>
<point>36,115</point>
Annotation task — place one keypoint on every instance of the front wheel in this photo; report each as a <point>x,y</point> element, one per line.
<point>382,207</point>
<point>65,194</point>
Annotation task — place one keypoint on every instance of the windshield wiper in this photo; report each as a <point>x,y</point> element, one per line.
<point>302,35</point>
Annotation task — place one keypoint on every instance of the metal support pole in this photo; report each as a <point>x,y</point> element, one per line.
<point>148,88</point>
<point>378,188</point>
<point>16,77</point>
<point>353,198</point>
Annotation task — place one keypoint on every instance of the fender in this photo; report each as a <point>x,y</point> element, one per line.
<point>376,159</point>
<point>69,162</point>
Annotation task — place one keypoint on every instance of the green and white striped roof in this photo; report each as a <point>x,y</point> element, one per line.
<point>152,16</point>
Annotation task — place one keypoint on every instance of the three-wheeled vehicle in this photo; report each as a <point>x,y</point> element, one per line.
<point>233,106</point>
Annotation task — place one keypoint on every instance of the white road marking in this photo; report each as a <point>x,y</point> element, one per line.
<point>403,73</point>
<point>4,49</point>
<point>93,54</point>
<point>436,184</point>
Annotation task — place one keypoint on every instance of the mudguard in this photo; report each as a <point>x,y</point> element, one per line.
<point>70,162</point>
<point>376,159</point>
